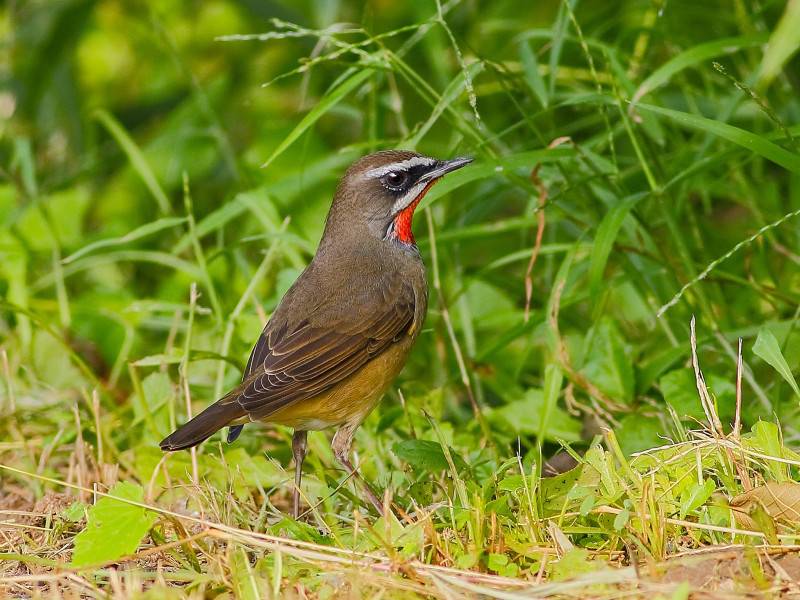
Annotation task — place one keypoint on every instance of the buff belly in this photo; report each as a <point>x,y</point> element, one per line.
<point>351,400</point>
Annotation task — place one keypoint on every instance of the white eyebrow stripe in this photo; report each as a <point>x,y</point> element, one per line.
<point>402,165</point>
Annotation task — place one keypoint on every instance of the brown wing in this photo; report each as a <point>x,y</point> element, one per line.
<point>291,363</point>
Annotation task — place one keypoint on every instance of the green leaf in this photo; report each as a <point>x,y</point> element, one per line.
<point>136,157</point>
<point>426,455</point>
<point>783,43</point>
<point>638,432</point>
<point>246,585</point>
<point>695,55</point>
<point>575,562</point>
<point>64,210</point>
<point>767,348</point>
<point>604,240</point>
<point>587,505</point>
<point>176,357</point>
<point>530,70</point>
<point>492,168</point>
<point>553,378</point>
<point>136,234</point>
<point>695,496</point>
<point>74,512</point>
<point>746,139</point>
<point>607,364</point>
<point>453,91</point>
<point>157,391</point>
<point>525,416</point>
<point>352,82</point>
<point>52,364</point>
<point>622,519</point>
<point>114,528</point>
<point>679,389</point>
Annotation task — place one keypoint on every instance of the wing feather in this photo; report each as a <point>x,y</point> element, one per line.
<point>290,363</point>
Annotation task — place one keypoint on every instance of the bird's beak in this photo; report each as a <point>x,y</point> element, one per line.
<point>444,167</point>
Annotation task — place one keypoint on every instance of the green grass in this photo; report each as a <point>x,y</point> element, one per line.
<point>650,148</point>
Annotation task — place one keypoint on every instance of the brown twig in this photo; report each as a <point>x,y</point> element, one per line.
<point>702,390</point>
<point>565,361</point>
<point>540,222</point>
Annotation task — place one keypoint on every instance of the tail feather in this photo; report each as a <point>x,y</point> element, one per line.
<point>203,426</point>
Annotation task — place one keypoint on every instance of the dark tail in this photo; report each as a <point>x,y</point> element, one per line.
<point>203,426</point>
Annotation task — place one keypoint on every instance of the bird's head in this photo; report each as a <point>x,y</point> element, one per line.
<point>381,191</point>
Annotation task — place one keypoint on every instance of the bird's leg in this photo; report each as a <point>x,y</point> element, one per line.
<point>342,440</point>
<point>299,447</point>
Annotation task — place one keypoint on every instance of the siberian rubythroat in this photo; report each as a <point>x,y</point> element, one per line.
<point>343,331</point>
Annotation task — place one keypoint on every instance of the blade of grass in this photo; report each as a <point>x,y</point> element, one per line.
<point>694,56</point>
<point>746,139</point>
<point>135,156</point>
<point>348,84</point>
<point>137,234</point>
<point>783,43</point>
<point>604,240</point>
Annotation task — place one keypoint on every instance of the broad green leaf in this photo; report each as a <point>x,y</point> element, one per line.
<point>115,528</point>
<point>575,562</point>
<point>637,432</point>
<point>527,416</point>
<point>680,391</point>
<point>695,55</point>
<point>136,234</point>
<point>783,43</point>
<point>356,78</point>
<point>65,211</point>
<point>587,504</point>
<point>746,139</point>
<point>767,348</point>
<point>136,157</point>
<point>500,564</point>
<point>694,496</point>
<point>607,363</point>
<point>653,366</point>
<point>426,455</point>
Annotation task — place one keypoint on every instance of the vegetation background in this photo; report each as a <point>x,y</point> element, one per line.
<point>636,166</point>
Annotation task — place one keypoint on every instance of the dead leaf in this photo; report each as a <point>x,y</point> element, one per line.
<point>774,501</point>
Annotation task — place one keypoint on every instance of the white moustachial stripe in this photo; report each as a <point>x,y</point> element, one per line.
<point>408,197</point>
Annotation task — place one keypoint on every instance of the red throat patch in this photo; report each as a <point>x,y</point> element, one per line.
<point>402,220</point>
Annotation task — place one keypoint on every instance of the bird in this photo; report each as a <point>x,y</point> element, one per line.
<point>343,331</point>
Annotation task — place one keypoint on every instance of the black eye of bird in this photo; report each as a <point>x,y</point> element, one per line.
<point>395,180</point>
